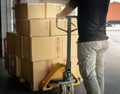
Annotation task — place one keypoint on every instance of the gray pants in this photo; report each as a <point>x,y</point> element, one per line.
<point>91,62</point>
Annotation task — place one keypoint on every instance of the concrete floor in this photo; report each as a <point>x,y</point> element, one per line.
<point>112,76</point>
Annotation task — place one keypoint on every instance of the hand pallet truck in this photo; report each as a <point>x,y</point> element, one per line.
<point>61,75</point>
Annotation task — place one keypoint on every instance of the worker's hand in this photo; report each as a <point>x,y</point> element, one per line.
<point>59,16</point>
<point>66,11</point>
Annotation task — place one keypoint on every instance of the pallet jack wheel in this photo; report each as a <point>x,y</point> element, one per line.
<point>62,89</point>
<point>70,89</point>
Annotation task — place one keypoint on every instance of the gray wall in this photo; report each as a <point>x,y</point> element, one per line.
<point>6,19</point>
<point>3,21</point>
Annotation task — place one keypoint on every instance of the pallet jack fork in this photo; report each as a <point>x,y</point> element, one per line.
<point>61,75</point>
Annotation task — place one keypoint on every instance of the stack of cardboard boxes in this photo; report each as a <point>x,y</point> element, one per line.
<point>12,61</point>
<point>38,45</point>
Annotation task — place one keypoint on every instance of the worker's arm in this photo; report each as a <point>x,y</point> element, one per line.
<point>67,10</point>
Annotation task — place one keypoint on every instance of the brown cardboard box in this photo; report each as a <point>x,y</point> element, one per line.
<point>11,42</point>
<point>52,9</point>
<point>15,65</point>
<point>19,45</point>
<point>62,23</point>
<point>73,45</point>
<point>30,10</point>
<point>34,86</point>
<point>33,27</point>
<point>42,48</point>
<point>35,72</point>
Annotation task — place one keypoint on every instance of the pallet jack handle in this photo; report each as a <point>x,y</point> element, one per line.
<point>61,75</point>
<point>68,31</point>
<point>66,85</point>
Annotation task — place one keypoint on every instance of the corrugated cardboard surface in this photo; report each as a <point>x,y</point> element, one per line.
<point>18,45</point>
<point>22,27</point>
<point>35,87</point>
<point>74,39</point>
<point>11,42</point>
<point>18,66</point>
<point>35,72</point>
<point>52,9</point>
<point>34,27</point>
<point>62,23</point>
<point>15,65</point>
<point>44,27</point>
<point>30,10</point>
<point>42,48</point>
<point>26,47</point>
<point>36,10</point>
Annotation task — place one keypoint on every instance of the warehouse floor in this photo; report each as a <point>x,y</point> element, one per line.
<point>8,85</point>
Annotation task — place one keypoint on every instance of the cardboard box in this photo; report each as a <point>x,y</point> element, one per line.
<point>33,27</point>
<point>35,72</point>
<point>19,45</point>
<point>11,42</point>
<point>52,9</point>
<point>33,86</point>
<point>15,65</point>
<point>54,31</point>
<point>74,39</point>
<point>30,10</point>
<point>42,48</point>
<point>62,23</point>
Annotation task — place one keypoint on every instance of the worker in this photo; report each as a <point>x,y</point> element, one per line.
<point>92,41</point>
